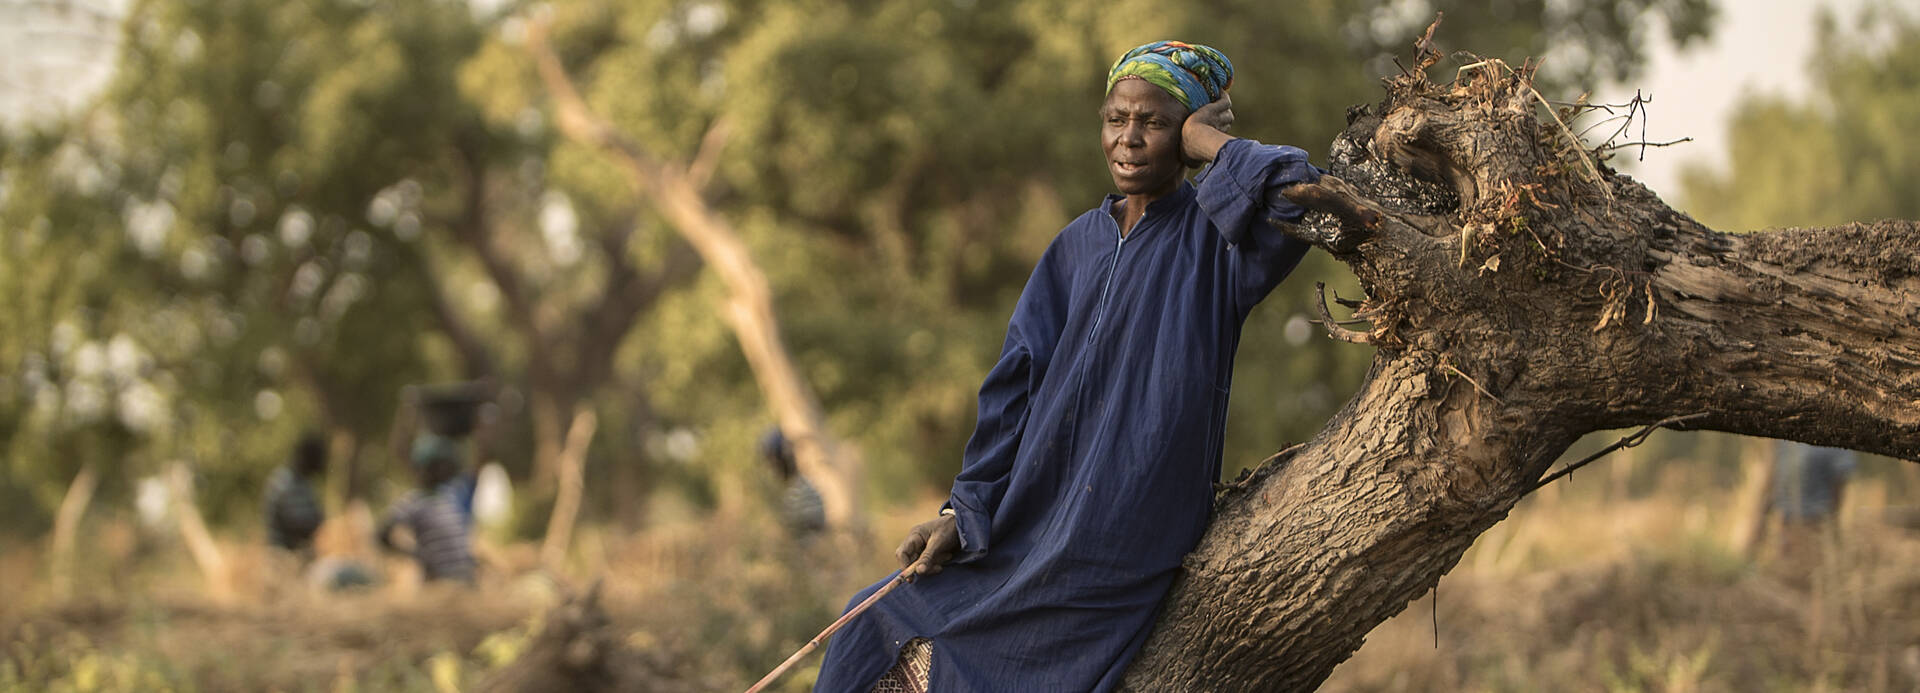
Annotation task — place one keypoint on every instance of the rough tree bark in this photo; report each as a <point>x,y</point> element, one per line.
<point>1520,295</point>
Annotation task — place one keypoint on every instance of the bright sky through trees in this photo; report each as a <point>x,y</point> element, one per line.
<point>1758,45</point>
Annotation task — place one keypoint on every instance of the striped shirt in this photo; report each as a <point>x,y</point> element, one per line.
<point>439,533</point>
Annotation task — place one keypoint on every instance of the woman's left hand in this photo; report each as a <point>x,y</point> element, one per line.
<point>1205,131</point>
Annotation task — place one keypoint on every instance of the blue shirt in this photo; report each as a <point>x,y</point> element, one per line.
<point>1091,468</point>
<point>1807,480</point>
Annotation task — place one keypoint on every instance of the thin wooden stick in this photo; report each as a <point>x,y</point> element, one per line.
<point>1476,383</point>
<point>1631,440</point>
<point>1332,326</point>
<point>897,581</point>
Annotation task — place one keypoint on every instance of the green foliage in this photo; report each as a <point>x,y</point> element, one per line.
<point>245,211</point>
<point>82,668</point>
<point>1846,154</point>
<point>267,222</point>
<point>935,148</point>
<point>141,660</point>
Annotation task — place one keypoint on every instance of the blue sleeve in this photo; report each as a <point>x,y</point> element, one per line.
<point>463,488</point>
<point>1239,193</point>
<point>1032,333</point>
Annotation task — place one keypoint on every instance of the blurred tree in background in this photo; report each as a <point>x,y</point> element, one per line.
<point>1846,154</point>
<point>281,213</point>
<point>1840,153</point>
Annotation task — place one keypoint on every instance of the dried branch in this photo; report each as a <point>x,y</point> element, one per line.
<point>700,170</point>
<point>1610,146</point>
<point>1630,440</point>
<point>1470,380</point>
<point>1603,121</point>
<point>1578,150</point>
<point>1358,219</point>
<point>1334,329</point>
<point>577,120</point>
<point>1636,111</point>
<point>1488,65</point>
<point>66,523</point>
<point>1581,104</point>
<point>1423,51</point>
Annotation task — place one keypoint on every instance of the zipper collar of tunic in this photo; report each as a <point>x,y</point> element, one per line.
<point>1156,209</point>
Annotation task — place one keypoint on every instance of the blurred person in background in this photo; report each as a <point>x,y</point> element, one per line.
<point>800,509</point>
<point>432,513</point>
<point>292,505</point>
<point>1809,481</point>
<point>1808,484</point>
<point>448,414</point>
<point>1090,471</point>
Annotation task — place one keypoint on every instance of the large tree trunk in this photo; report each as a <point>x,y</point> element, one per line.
<point>1520,296</point>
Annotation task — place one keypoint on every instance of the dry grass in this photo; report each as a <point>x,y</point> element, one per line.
<point>1654,594</point>
<point>1575,592</point>
<point>721,600</point>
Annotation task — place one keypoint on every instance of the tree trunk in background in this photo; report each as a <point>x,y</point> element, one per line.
<point>1756,502</point>
<point>566,507</point>
<point>548,443</point>
<point>343,467</point>
<point>66,526</point>
<point>193,531</point>
<point>830,464</point>
<point>569,351</point>
<point>1520,296</point>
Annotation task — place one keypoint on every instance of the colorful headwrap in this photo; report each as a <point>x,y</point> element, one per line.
<point>1194,74</point>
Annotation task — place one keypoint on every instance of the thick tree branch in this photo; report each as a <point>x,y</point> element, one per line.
<point>1487,244</point>
<point>474,354</point>
<point>707,158</point>
<point>547,388</point>
<point>630,292</point>
<point>474,230</point>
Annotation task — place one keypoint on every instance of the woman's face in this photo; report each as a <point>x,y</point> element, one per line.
<point>1140,133</point>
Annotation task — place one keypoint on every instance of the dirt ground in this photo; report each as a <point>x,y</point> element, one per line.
<point>1643,594</point>
<point>1652,597</point>
<point>349,641</point>
<point>688,608</point>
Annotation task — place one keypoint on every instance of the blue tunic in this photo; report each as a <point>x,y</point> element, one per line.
<point>1090,472</point>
